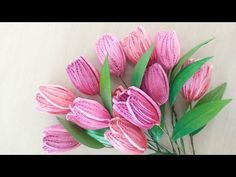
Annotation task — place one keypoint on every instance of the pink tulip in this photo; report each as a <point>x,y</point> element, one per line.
<point>167,48</point>
<point>84,76</point>
<point>198,84</point>
<point>136,44</point>
<point>54,99</point>
<point>88,114</point>
<point>137,107</point>
<point>57,139</point>
<point>110,45</point>
<point>155,84</point>
<point>126,137</point>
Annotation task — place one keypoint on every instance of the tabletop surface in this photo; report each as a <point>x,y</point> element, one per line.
<point>32,54</point>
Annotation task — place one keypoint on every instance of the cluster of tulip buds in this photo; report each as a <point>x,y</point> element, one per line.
<point>135,110</point>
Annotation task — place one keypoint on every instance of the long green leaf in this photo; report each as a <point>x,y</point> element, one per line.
<point>197,117</point>
<point>80,135</point>
<point>215,94</point>
<point>183,76</point>
<point>197,131</point>
<point>185,57</point>
<point>99,135</point>
<point>156,132</point>
<point>140,67</point>
<point>105,85</point>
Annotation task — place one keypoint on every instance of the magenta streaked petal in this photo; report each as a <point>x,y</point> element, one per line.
<point>126,137</point>
<point>198,84</point>
<point>84,76</point>
<point>167,49</point>
<point>109,44</point>
<point>54,99</point>
<point>136,43</point>
<point>155,84</point>
<point>88,114</point>
<point>57,139</point>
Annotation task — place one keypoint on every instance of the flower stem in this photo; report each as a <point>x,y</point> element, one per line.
<point>123,82</point>
<point>191,137</point>
<point>172,145</point>
<point>176,120</point>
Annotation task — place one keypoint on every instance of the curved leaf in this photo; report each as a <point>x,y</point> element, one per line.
<point>213,95</point>
<point>183,76</point>
<point>156,132</point>
<point>105,85</point>
<point>79,134</point>
<point>99,135</point>
<point>140,67</point>
<point>197,118</point>
<point>185,57</point>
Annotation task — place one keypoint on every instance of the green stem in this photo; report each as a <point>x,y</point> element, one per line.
<point>123,82</point>
<point>191,137</point>
<point>176,120</point>
<point>172,145</point>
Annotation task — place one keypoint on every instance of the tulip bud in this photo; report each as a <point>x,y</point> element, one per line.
<point>167,48</point>
<point>88,114</point>
<point>84,76</point>
<point>54,99</point>
<point>126,137</point>
<point>110,45</point>
<point>57,139</point>
<point>198,84</point>
<point>136,44</point>
<point>155,84</point>
<point>137,107</point>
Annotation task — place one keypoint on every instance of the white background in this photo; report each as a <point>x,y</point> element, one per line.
<point>37,53</point>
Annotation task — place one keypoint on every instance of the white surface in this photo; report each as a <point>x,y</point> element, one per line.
<point>36,53</point>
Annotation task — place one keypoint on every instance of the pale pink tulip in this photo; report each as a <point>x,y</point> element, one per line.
<point>54,99</point>
<point>137,107</point>
<point>136,44</point>
<point>155,83</point>
<point>198,84</point>
<point>84,76</point>
<point>88,114</point>
<point>110,45</point>
<point>126,137</point>
<point>167,48</point>
<point>57,139</point>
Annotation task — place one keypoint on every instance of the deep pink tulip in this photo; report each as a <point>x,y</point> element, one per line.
<point>136,44</point>
<point>54,99</point>
<point>137,107</point>
<point>84,76</point>
<point>126,137</point>
<point>155,84</point>
<point>167,48</point>
<point>110,45</point>
<point>57,139</point>
<point>88,114</point>
<point>198,84</point>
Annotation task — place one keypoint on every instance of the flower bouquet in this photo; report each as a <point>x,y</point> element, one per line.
<point>132,118</point>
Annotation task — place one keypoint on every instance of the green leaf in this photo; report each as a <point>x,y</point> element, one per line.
<point>186,56</point>
<point>197,117</point>
<point>183,76</point>
<point>156,132</point>
<point>105,85</point>
<point>99,136</point>
<point>213,95</point>
<point>80,135</point>
<point>140,68</point>
<point>197,131</point>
